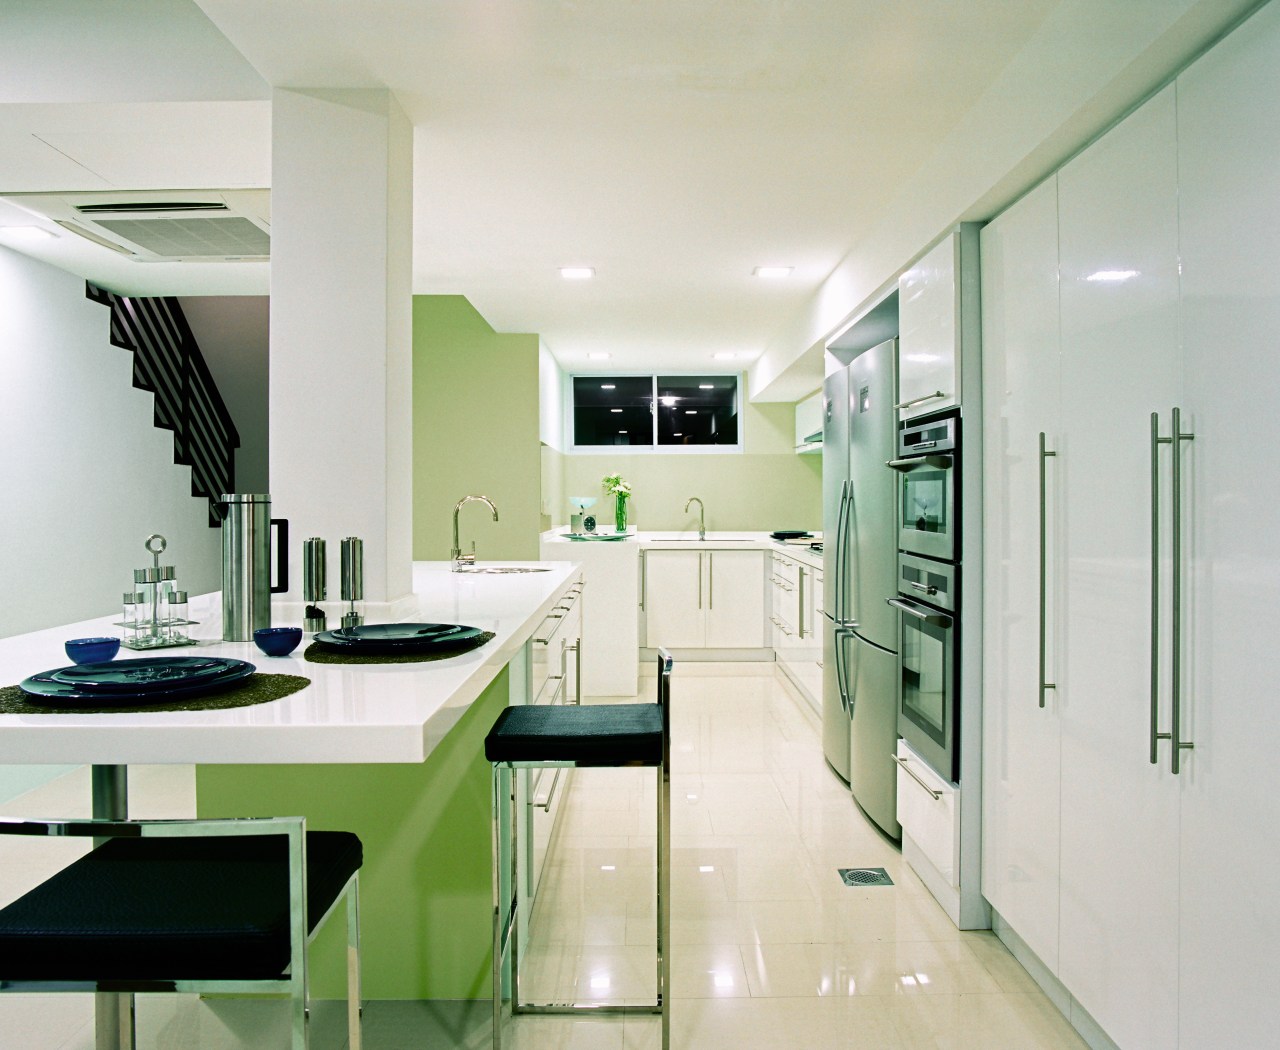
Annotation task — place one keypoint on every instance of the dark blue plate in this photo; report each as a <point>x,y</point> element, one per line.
<point>398,637</point>
<point>46,690</point>
<point>141,675</point>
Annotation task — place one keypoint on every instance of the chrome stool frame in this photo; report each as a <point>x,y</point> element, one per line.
<point>576,720</point>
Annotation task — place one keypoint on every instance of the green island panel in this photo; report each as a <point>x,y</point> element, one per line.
<point>425,896</point>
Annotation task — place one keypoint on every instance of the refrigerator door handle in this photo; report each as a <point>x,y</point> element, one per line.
<point>840,674</point>
<point>837,608</point>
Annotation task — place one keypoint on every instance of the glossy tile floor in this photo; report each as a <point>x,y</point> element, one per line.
<point>770,949</point>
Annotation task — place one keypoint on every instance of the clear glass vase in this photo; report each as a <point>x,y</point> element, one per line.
<point>620,512</point>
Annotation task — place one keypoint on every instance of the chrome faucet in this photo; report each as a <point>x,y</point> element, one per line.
<point>702,524</point>
<point>459,559</point>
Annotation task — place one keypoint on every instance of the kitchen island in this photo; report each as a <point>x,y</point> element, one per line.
<point>392,752</point>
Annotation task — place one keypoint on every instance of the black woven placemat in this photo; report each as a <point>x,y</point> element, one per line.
<point>317,654</point>
<point>256,689</point>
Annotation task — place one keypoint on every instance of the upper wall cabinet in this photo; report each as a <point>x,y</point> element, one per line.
<point>938,311</point>
<point>809,424</point>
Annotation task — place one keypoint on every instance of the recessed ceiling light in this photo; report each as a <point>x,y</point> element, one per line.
<point>724,355</point>
<point>773,272</point>
<point>577,273</point>
<point>28,234</point>
<point>1112,275</point>
<point>706,386</point>
<point>598,355</point>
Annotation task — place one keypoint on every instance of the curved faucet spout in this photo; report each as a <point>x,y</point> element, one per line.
<point>702,524</point>
<point>456,555</point>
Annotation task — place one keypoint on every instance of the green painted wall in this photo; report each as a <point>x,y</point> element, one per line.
<point>475,430</point>
<point>765,487</point>
<point>425,896</point>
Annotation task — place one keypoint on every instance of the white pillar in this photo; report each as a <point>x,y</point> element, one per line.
<point>341,331</point>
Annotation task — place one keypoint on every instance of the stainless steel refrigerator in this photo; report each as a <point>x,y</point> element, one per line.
<point>860,549</point>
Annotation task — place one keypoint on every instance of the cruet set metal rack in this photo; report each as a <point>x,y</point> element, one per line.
<point>155,612</point>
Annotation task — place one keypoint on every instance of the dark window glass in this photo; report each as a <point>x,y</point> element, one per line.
<point>697,410</point>
<point>613,410</point>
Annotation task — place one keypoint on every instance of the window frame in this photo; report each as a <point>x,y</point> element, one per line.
<point>653,448</point>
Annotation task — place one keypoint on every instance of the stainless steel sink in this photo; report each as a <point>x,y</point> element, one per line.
<point>495,569</point>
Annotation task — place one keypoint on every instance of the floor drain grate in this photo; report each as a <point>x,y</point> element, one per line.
<point>864,877</point>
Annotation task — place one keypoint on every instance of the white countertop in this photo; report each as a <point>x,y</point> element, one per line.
<point>650,540</point>
<point>373,713</point>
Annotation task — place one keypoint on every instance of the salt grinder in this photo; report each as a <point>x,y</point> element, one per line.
<point>352,579</point>
<point>314,585</point>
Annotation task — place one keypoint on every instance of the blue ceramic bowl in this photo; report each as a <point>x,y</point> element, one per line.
<point>91,650</point>
<point>277,641</point>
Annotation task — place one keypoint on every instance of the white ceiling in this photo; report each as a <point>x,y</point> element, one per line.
<point>674,145</point>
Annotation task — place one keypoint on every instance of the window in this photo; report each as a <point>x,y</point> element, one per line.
<point>691,411</point>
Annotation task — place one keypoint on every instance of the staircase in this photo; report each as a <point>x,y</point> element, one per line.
<point>168,363</point>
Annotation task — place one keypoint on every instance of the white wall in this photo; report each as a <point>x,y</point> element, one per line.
<point>550,400</point>
<point>231,331</point>
<point>85,476</point>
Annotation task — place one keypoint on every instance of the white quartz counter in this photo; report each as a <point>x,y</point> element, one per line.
<point>689,540</point>
<point>349,713</point>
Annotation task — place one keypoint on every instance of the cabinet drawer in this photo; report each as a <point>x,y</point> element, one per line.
<point>929,812</point>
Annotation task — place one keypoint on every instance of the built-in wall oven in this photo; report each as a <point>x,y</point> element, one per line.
<point>928,646</point>
<point>928,507</point>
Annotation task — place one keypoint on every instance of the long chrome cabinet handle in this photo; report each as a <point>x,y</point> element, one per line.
<point>711,579</point>
<point>700,556</point>
<point>800,602</point>
<point>1156,442</point>
<point>937,795</point>
<point>1175,637</point>
<point>644,572</point>
<point>1044,457</point>
<point>1174,736</point>
<point>577,668</point>
<point>920,400</point>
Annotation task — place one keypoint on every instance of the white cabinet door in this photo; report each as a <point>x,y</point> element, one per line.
<point>675,599</point>
<point>929,331</point>
<point>1021,389</point>
<point>1118,212</point>
<point>735,599</point>
<point>1229,142</point>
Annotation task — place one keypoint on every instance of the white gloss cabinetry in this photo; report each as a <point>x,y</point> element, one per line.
<point>938,314</point>
<point>703,599</point>
<point>1167,928</point>
<point>1118,258</point>
<point>1021,753</point>
<point>1229,223</point>
<point>555,666</point>
<point>795,591</point>
<point>929,812</point>
<point>809,424</point>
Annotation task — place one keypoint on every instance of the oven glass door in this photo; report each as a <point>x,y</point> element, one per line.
<point>926,686</point>
<point>927,522</point>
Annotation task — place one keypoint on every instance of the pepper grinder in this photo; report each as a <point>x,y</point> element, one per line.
<point>352,580</point>
<point>315,586</point>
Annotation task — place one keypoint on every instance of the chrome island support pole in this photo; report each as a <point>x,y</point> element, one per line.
<point>113,1012</point>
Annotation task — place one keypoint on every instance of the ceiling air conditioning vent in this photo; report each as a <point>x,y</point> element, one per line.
<point>165,226</point>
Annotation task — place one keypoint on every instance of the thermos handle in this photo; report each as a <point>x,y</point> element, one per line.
<point>282,554</point>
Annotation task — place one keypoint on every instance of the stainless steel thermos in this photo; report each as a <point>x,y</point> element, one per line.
<point>246,563</point>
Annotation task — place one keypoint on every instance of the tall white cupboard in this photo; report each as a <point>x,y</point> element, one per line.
<point>1133,569</point>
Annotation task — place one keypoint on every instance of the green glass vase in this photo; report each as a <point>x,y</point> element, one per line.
<point>620,512</point>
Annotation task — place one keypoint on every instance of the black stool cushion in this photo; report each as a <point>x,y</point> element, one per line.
<point>595,735</point>
<point>201,908</point>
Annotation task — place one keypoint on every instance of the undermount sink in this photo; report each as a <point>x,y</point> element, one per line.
<point>493,569</point>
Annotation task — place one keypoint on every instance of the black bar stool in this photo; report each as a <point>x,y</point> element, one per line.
<point>211,906</point>
<point>596,735</point>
